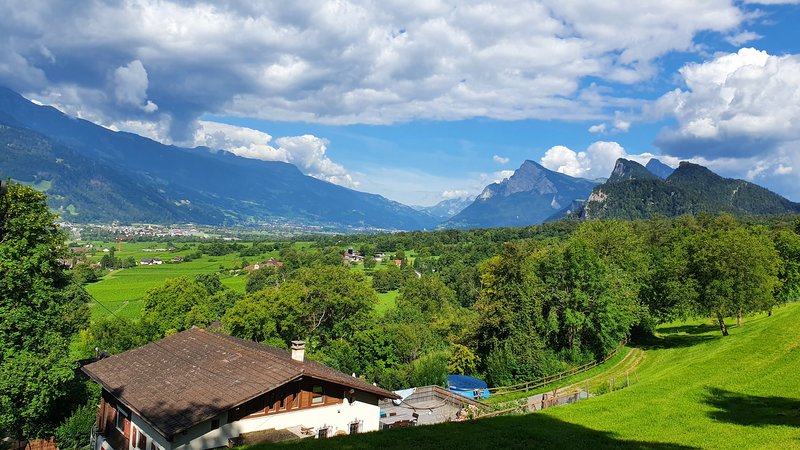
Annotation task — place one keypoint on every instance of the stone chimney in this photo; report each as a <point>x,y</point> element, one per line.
<point>298,350</point>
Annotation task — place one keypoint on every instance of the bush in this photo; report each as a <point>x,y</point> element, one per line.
<point>74,432</point>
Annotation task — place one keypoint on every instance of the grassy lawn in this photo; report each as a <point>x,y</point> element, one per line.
<point>696,390</point>
<point>386,302</point>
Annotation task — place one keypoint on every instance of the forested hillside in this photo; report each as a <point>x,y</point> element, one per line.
<point>690,189</point>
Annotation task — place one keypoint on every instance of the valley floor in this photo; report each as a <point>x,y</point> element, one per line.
<point>696,390</point>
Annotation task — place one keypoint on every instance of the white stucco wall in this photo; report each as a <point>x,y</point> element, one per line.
<point>364,408</point>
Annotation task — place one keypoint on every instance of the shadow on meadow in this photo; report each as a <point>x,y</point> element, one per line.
<point>528,431</point>
<point>678,337</point>
<point>743,409</point>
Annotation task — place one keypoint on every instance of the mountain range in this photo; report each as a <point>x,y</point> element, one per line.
<point>531,195</point>
<point>633,192</point>
<point>95,174</point>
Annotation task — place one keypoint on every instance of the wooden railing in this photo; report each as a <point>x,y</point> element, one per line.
<point>541,382</point>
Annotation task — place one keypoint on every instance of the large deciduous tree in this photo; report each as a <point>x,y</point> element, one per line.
<point>736,271</point>
<point>40,309</point>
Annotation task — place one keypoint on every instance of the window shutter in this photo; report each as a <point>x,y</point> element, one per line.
<point>126,428</point>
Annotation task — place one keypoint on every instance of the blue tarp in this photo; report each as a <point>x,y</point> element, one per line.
<point>467,386</point>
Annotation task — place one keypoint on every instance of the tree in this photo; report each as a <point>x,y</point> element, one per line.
<point>462,360</point>
<point>169,305</point>
<point>736,272</point>
<point>40,308</point>
<point>263,278</point>
<point>319,305</point>
<point>788,246</point>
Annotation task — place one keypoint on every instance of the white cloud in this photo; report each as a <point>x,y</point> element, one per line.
<point>740,115</point>
<point>500,159</point>
<point>130,86</point>
<point>734,102</point>
<point>621,124</point>
<point>502,175</point>
<point>449,195</point>
<point>349,61</point>
<point>597,161</point>
<point>599,128</point>
<point>743,38</point>
<point>307,152</point>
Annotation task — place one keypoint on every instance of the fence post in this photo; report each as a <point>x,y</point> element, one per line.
<point>627,378</point>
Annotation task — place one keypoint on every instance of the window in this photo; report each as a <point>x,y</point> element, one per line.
<point>142,442</point>
<point>354,427</point>
<point>120,422</point>
<point>214,424</point>
<point>317,395</point>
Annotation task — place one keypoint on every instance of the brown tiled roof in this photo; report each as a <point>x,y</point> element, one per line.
<point>194,375</point>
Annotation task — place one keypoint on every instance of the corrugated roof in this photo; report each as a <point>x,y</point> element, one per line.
<point>194,375</point>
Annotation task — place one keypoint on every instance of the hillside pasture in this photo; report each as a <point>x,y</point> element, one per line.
<point>696,389</point>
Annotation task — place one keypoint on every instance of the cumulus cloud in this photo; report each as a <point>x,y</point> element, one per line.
<point>500,159</point>
<point>130,86</point>
<point>735,105</point>
<point>345,62</point>
<point>739,112</point>
<point>597,161</point>
<point>449,195</point>
<point>307,152</point>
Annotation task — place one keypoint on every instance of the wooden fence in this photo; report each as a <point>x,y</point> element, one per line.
<point>541,382</point>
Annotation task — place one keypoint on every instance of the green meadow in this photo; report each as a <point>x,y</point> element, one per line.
<point>122,291</point>
<point>696,389</point>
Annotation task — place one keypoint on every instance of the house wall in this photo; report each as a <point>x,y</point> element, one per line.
<point>338,417</point>
<point>110,437</point>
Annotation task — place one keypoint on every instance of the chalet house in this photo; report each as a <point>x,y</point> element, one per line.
<point>199,390</point>
<point>271,263</point>
<point>150,261</point>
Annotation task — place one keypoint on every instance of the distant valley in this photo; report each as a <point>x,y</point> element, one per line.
<point>92,174</point>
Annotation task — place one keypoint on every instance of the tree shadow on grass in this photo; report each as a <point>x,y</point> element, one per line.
<point>743,409</point>
<point>690,329</point>
<point>527,431</point>
<point>666,341</point>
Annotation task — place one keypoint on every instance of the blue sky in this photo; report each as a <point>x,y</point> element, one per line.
<point>425,100</point>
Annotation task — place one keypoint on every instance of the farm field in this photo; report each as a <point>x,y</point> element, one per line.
<point>122,291</point>
<point>696,390</point>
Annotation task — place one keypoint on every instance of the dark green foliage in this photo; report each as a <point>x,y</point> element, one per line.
<point>74,432</point>
<point>41,308</point>
<point>691,189</point>
<point>390,279</point>
<point>116,335</point>
<point>320,305</point>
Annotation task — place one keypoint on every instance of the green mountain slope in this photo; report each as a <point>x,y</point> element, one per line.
<point>690,189</point>
<point>227,189</point>
<point>696,389</point>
